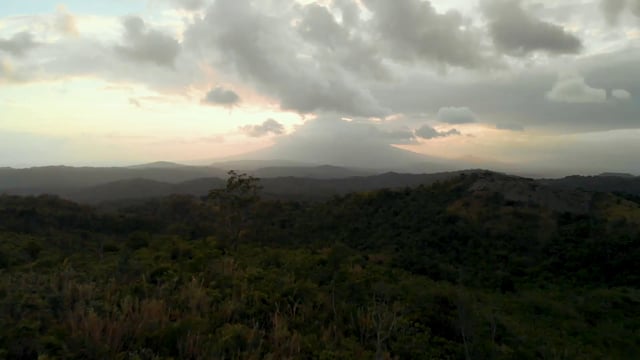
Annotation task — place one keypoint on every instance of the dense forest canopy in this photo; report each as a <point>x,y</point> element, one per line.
<point>481,266</point>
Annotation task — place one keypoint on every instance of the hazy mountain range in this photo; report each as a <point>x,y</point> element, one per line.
<point>282,180</point>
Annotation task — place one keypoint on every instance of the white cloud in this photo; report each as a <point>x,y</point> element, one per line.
<point>621,94</point>
<point>574,89</point>
<point>66,23</point>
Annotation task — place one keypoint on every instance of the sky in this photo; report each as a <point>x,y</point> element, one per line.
<point>528,85</point>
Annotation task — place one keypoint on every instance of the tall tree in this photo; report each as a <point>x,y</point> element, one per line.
<point>235,204</point>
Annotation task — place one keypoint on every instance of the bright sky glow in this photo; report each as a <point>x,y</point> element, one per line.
<point>126,81</point>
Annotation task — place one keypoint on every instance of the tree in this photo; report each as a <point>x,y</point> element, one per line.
<point>235,204</point>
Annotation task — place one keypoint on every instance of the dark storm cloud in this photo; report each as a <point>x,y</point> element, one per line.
<point>412,30</point>
<point>427,132</point>
<point>519,33</point>
<point>270,126</point>
<point>263,48</point>
<point>221,96</point>
<point>19,44</point>
<point>147,45</point>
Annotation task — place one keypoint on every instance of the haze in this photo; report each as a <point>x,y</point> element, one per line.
<point>546,87</point>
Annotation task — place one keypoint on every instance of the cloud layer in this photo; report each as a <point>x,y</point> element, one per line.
<point>145,45</point>
<point>19,44</point>
<point>398,70</point>
<point>574,89</point>
<point>520,33</point>
<point>456,115</point>
<point>412,30</point>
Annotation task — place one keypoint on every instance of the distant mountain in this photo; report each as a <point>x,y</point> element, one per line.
<point>604,183</point>
<point>286,188</point>
<point>338,151</point>
<point>139,189</point>
<point>252,165</point>
<point>159,165</point>
<point>315,172</point>
<point>64,177</point>
<point>623,175</point>
<point>98,185</point>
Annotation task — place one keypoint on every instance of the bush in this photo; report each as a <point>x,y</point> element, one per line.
<point>138,240</point>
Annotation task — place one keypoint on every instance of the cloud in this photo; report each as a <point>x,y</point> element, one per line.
<point>412,30</point>
<point>270,126</point>
<point>635,7</point>
<point>221,96</point>
<point>574,89</point>
<point>6,69</point>
<point>135,102</point>
<point>213,139</point>
<point>519,33</point>
<point>509,127</point>
<point>330,140</point>
<point>19,44</point>
<point>456,115</point>
<point>341,42</point>
<point>66,23</point>
<point>259,46</point>
<point>12,72</point>
<point>398,137</point>
<point>427,132</point>
<point>612,9</point>
<point>191,5</point>
<point>621,94</point>
<point>518,96</point>
<point>146,45</point>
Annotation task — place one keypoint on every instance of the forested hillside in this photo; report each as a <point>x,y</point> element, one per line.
<point>481,266</point>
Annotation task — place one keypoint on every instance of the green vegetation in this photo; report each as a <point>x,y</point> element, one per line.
<point>438,272</point>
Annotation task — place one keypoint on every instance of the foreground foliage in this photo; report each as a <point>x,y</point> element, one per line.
<point>434,272</point>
